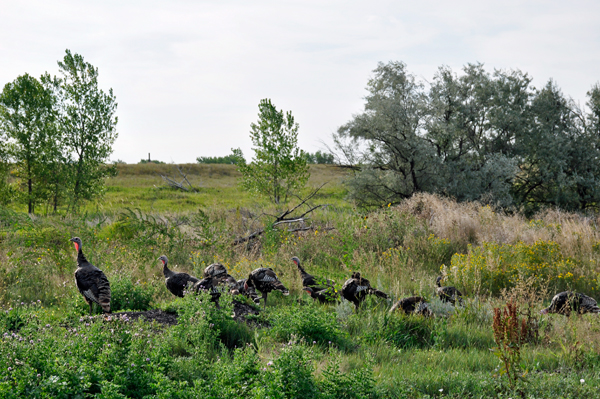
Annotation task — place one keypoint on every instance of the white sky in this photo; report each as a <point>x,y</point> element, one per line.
<point>188,75</point>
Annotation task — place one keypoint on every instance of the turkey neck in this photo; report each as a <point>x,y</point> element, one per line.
<point>302,271</point>
<point>168,273</point>
<point>81,259</point>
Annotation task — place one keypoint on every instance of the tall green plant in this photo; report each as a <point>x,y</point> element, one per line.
<point>27,119</point>
<point>88,123</point>
<point>278,165</point>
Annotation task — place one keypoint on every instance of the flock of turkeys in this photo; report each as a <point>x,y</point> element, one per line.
<point>95,288</point>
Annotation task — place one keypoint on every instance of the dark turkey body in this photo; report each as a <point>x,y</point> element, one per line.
<point>566,302</point>
<point>356,288</point>
<point>92,284</point>
<point>178,282</point>
<point>410,305</point>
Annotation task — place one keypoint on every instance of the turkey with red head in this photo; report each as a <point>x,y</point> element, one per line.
<point>91,281</point>
<point>566,302</point>
<point>176,282</point>
<point>265,280</point>
<point>356,288</point>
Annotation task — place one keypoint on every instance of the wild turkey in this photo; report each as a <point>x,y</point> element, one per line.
<point>91,281</point>
<point>265,280</point>
<point>215,270</point>
<point>566,302</point>
<point>250,292</point>
<point>211,285</point>
<point>412,305</point>
<point>308,280</point>
<point>356,288</point>
<point>220,274</point>
<point>448,294</point>
<point>327,295</point>
<point>176,282</point>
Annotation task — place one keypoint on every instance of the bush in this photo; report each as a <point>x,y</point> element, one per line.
<point>492,267</point>
<point>127,295</point>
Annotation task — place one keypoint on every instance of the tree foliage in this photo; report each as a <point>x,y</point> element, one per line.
<point>88,124</point>
<point>481,136</point>
<point>27,115</point>
<point>278,166</point>
<point>57,134</point>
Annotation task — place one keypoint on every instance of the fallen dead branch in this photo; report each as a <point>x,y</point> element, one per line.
<point>287,217</point>
<point>172,183</point>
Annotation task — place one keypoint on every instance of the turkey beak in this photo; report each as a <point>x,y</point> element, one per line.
<point>544,311</point>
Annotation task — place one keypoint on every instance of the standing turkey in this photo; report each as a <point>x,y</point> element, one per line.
<point>176,282</point>
<point>265,280</point>
<point>318,287</point>
<point>356,288</point>
<point>448,294</point>
<point>91,281</point>
<point>566,302</point>
<point>412,305</point>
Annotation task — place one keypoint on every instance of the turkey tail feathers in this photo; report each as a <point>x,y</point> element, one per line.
<point>104,294</point>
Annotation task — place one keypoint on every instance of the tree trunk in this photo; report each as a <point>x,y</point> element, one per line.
<point>30,196</point>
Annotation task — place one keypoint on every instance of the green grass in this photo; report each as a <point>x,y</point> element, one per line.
<point>297,348</point>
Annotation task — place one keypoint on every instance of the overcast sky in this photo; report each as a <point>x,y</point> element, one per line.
<point>188,75</point>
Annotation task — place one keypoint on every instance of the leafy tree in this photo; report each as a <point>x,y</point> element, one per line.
<point>88,125</point>
<point>560,156</point>
<point>477,136</point>
<point>278,165</point>
<point>27,118</point>
<point>397,161</point>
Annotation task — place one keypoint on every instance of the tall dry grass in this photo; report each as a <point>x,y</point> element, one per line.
<point>473,223</point>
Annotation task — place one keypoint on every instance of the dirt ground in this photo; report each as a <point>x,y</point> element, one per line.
<point>240,312</point>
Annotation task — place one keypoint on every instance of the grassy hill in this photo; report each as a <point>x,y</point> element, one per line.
<point>296,348</point>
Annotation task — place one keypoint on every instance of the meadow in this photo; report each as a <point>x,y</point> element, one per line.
<point>295,348</point>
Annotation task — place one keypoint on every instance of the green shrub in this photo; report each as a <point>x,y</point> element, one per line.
<point>127,295</point>
<point>312,322</point>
